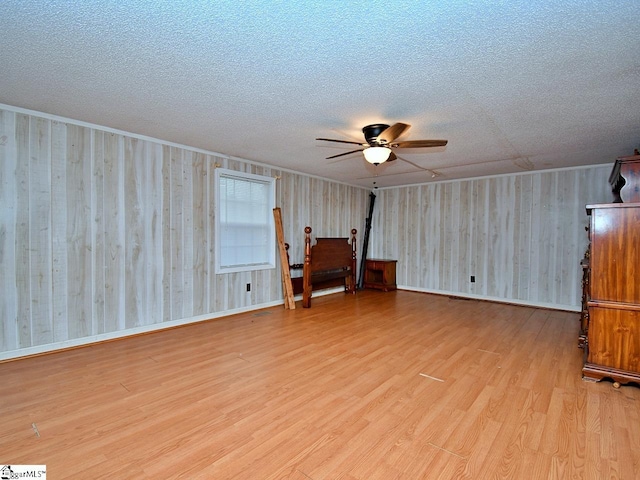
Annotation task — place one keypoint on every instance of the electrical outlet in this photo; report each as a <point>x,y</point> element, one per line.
<point>473,279</point>
<point>248,287</point>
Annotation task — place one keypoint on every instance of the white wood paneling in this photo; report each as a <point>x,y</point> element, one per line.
<point>40,260</point>
<point>59,212</point>
<point>97,233</point>
<point>76,181</point>
<point>10,251</point>
<point>521,236</point>
<point>22,207</point>
<point>104,233</point>
<point>113,207</point>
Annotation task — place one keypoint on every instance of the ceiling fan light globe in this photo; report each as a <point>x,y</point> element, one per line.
<point>376,155</point>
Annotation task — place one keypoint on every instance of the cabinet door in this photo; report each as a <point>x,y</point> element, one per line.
<point>614,338</point>
<point>615,254</point>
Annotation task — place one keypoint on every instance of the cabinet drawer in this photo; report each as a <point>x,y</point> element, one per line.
<point>376,265</point>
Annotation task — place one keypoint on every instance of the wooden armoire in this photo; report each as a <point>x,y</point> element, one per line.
<point>610,326</point>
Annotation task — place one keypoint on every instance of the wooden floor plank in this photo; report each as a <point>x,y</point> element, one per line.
<point>396,385</point>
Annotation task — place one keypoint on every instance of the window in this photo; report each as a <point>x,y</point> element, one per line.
<point>245,232</point>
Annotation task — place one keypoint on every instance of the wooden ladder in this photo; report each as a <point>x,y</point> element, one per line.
<point>287,287</point>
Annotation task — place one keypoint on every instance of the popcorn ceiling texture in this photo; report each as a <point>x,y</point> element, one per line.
<point>513,86</point>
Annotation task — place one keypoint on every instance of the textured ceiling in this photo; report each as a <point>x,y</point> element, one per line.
<point>513,85</point>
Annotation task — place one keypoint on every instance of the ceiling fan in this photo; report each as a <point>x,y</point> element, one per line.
<point>381,139</point>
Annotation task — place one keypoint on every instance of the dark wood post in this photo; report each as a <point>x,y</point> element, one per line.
<point>306,269</point>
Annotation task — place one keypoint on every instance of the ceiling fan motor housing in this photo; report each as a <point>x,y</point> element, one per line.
<point>371,133</point>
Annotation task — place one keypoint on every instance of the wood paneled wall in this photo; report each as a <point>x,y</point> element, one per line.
<point>105,233</point>
<point>521,236</point>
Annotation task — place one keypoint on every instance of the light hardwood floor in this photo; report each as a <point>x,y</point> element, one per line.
<point>397,385</point>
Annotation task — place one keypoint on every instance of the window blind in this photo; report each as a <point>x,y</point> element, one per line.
<point>245,222</point>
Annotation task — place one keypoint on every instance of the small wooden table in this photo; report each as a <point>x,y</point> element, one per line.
<point>380,274</point>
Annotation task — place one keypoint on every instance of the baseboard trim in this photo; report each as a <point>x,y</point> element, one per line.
<point>509,301</point>
<point>142,330</point>
<point>156,327</point>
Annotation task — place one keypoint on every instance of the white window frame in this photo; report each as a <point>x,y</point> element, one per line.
<point>270,260</point>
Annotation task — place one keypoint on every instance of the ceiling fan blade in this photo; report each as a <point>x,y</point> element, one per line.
<point>340,141</point>
<point>343,154</point>
<point>392,157</point>
<point>420,143</point>
<point>391,133</point>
